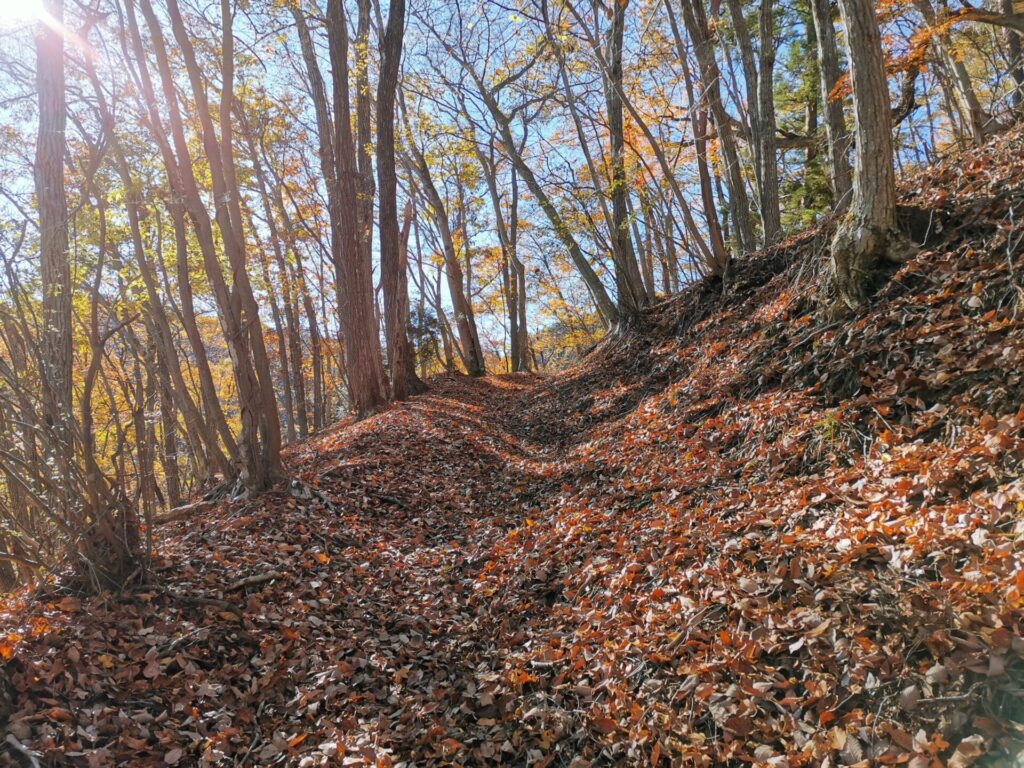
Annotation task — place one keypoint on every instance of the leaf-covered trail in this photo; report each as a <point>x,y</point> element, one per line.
<point>745,536</point>
<point>373,635</point>
<point>377,625</point>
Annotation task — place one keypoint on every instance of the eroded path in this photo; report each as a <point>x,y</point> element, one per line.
<point>372,642</point>
<point>376,642</point>
<point>743,537</point>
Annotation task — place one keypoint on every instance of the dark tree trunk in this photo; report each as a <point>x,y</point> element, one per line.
<point>393,267</point>
<point>631,296</point>
<point>55,266</point>
<point>363,363</point>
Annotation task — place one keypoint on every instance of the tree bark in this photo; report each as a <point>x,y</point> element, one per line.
<point>867,233</point>
<point>393,267</point>
<point>629,286</point>
<point>967,102</point>
<point>758,75</point>
<point>465,319</point>
<point>260,436</point>
<point>364,131</point>
<point>1016,59</point>
<point>363,362</point>
<point>700,145</point>
<point>55,265</point>
<point>771,215</point>
<point>696,22</point>
<point>835,121</point>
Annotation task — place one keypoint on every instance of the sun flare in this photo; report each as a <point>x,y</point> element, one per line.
<point>20,11</point>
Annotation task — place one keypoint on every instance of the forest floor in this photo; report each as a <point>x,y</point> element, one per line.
<point>745,536</point>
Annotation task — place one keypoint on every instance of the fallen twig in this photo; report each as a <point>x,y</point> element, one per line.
<point>224,605</point>
<point>21,750</point>
<point>180,513</point>
<point>260,578</point>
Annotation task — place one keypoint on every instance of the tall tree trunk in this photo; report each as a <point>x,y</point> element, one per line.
<point>629,285</point>
<point>289,342</point>
<point>696,22</point>
<point>169,437</point>
<point>700,144</point>
<point>807,198</point>
<point>363,362</point>
<point>267,468</point>
<point>758,70</point>
<point>260,436</point>
<point>867,234</point>
<point>179,190</point>
<point>706,257</point>
<point>328,168</point>
<point>393,267</point>
<point>364,134</point>
<point>55,265</point>
<point>835,122</point>
<point>465,319</point>
<point>605,306</point>
<point>276,317</point>
<point>1014,54</point>
<point>771,215</point>
<point>507,228</point>
<point>109,541</point>
<point>967,102</point>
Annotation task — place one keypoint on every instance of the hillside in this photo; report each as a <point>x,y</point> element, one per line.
<point>745,535</point>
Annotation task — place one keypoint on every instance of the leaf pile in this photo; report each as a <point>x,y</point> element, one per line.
<point>746,536</point>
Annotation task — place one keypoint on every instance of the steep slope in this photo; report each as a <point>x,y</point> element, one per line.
<point>744,536</point>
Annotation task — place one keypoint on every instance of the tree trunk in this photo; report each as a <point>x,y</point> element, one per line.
<point>807,198</point>
<point>605,306</point>
<point>629,285</point>
<point>393,267</point>
<point>465,319</point>
<point>835,122</point>
<point>867,234</point>
<point>110,537</point>
<point>771,215</point>
<point>758,75</point>
<point>696,22</point>
<point>364,131</point>
<point>289,341</point>
<point>259,440</point>
<point>967,102</point>
<point>362,339</point>
<point>700,145</point>
<point>55,266</point>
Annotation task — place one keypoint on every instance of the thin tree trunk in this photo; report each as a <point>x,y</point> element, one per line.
<point>628,282</point>
<point>835,122</point>
<point>237,310</point>
<point>959,80</point>
<point>393,264</point>
<point>465,319</point>
<point>696,23</point>
<point>109,542</point>
<point>699,127</point>
<point>771,215</point>
<point>55,265</point>
<point>1016,58</point>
